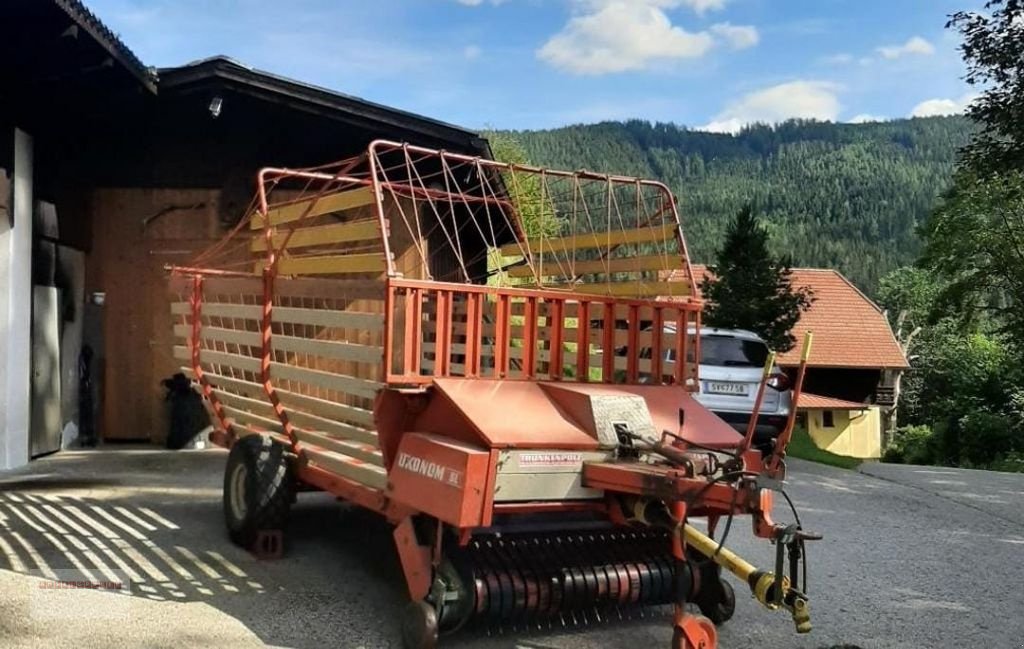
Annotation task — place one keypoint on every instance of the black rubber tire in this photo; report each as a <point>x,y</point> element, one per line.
<point>717,601</point>
<point>258,488</point>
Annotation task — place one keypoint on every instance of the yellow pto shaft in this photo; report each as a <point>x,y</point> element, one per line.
<point>761,583</point>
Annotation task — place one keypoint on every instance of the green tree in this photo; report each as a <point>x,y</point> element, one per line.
<point>975,241</point>
<point>993,49</point>
<point>525,190</point>
<point>749,288</point>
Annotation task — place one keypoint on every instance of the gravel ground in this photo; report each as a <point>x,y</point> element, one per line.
<point>910,559</point>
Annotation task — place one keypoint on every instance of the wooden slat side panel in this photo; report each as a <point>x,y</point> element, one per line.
<point>319,235</point>
<point>620,265</point>
<point>340,264</point>
<point>316,206</point>
<point>310,422</point>
<point>364,452</point>
<point>327,380</point>
<point>329,409</point>
<point>594,240</point>
<point>361,472</point>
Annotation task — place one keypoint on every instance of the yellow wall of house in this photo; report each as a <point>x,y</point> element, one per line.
<point>854,433</point>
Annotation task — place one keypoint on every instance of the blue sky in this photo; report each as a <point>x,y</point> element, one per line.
<point>714,64</point>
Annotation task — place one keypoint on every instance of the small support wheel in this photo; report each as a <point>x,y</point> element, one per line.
<point>419,626</point>
<point>716,599</point>
<point>258,491</point>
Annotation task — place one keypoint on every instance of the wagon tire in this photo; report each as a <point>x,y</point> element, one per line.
<point>258,489</point>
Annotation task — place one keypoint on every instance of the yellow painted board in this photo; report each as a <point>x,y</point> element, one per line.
<point>621,265</point>
<point>627,289</point>
<point>331,264</point>
<point>594,240</point>
<point>316,206</point>
<point>362,230</point>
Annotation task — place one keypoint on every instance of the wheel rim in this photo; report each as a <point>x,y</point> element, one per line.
<point>239,508</point>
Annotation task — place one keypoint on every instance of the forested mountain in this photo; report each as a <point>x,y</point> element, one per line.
<point>847,196</point>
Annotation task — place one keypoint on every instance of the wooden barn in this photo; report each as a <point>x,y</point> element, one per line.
<point>109,171</point>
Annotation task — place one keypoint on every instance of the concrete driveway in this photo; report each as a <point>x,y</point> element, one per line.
<point>907,563</point>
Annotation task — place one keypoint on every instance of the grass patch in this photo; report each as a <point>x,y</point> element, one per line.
<point>803,447</point>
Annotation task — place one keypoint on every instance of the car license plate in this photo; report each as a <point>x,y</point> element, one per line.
<point>739,389</point>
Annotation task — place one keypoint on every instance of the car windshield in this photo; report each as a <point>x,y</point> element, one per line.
<point>732,352</point>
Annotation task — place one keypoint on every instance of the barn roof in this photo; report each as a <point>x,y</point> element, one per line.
<point>850,330</point>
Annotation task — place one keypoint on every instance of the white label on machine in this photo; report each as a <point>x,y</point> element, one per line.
<point>530,460</point>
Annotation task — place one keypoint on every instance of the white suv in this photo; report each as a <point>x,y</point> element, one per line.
<point>731,365</point>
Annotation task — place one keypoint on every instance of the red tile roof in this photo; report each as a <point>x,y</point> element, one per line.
<point>810,401</point>
<point>850,330</point>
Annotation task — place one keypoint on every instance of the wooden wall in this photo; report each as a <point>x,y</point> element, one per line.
<point>136,232</point>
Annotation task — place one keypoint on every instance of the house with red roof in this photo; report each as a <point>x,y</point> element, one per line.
<point>854,365</point>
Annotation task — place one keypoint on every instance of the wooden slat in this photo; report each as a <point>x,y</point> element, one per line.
<point>361,472</point>
<point>327,380</point>
<point>329,409</point>
<point>335,412</point>
<point>328,348</point>
<point>261,407</point>
<point>344,431</point>
<point>249,389</point>
<point>325,204</point>
<point>363,452</point>
<point>329,318</point>
<point>339,264</point>
<point>627,289</point>
<point>362,230</point>
<point>620,265</point>
<point>247,417</point>
<point>593,240</point>
<point>221,334</point>
<point>244,363</point>
<point>220,309</point>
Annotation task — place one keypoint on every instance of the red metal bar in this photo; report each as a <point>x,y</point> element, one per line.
<point>608,343</point>
<point>681,345</point>
<point>443,343</point>
<point>551,506</point>
<point>389,333</point>
<point>633,344</point>
<point>530,338</point>
<point>556,323</point>
<point>196,305</point>
<point>583,342</point>
<point>657,332</point>
<point>267,355</point>
<point>474,331</point>
<point>779,452</point>
<point>501,334</point>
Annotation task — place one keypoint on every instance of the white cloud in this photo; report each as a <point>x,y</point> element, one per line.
<point>471,52</point>
<point>864,117</point>
<point>608,36</point>
<point>914,46</point>
<point>838,59</point>
<point>739,37</point>
<point>470,3</point>
<point>934,107</point>
<point>806,99</point>
<point>700,6</point>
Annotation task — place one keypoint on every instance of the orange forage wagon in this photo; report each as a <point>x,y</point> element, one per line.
<point>436,337</point>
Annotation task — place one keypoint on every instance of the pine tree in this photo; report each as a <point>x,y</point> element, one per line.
<point>749,288</point>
